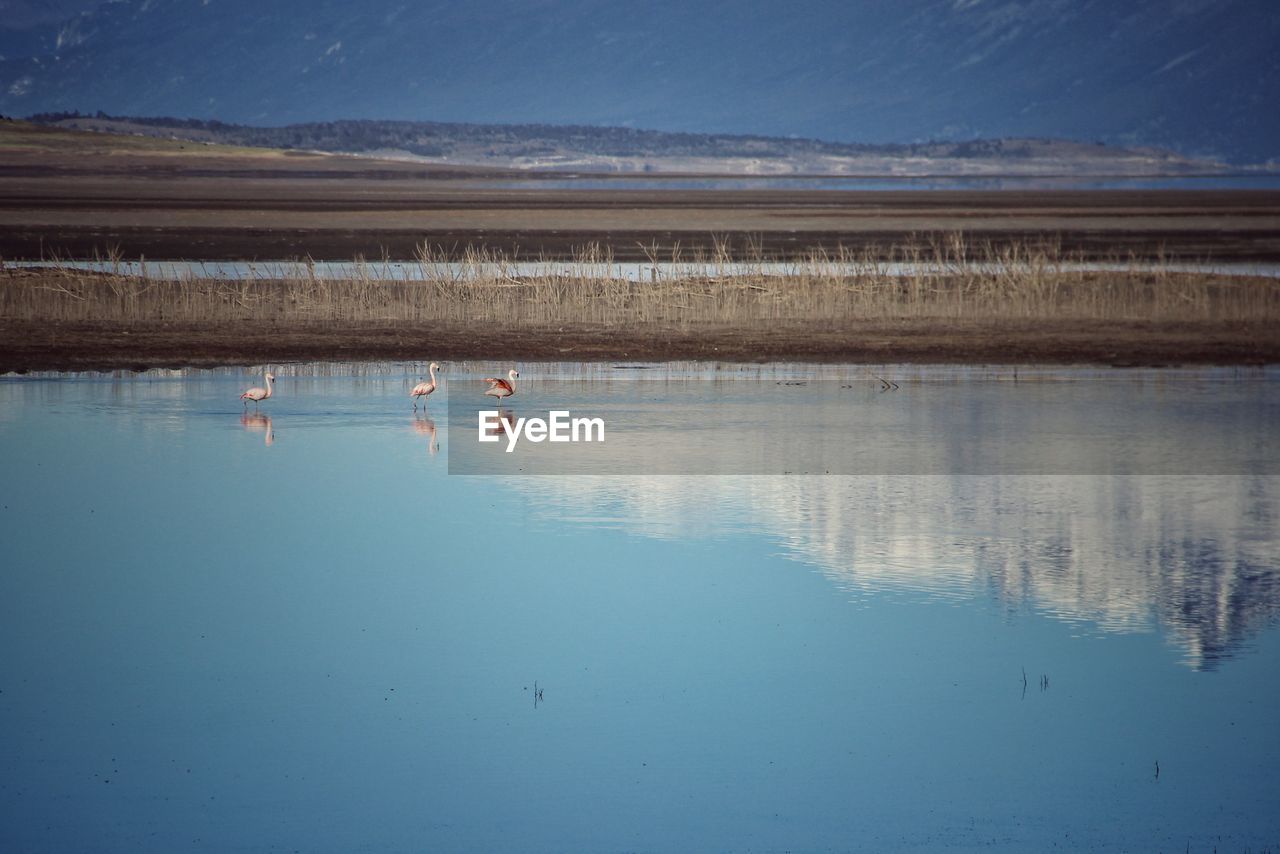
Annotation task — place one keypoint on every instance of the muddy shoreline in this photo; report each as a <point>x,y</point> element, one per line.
<point>79,201</point>
<point>622,245</point>
<point>30,346</point>
<point>171,208</point>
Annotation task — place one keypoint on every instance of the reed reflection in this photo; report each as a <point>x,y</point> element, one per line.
<point>1196,558</point>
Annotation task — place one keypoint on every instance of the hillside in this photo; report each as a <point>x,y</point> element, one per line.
<point>625,150</point>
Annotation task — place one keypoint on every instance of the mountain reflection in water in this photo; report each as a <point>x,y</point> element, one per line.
<point>1194,557</point>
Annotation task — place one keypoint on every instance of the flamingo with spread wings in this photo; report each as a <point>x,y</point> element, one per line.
<point>422,390</point>
<point>501,388</point>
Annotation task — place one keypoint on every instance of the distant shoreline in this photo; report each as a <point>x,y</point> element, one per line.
<point>1002,290</point>
<point>77,194</point>
<point>619,150</point>
<point>278,215</point>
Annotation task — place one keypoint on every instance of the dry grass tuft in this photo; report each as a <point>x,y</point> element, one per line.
<point>1003,284</point>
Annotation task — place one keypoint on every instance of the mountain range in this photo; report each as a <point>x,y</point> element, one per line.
<point>1200,77</point>
<point>577,148</point>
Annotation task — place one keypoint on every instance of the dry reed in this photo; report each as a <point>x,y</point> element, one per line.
<point>948,279</point>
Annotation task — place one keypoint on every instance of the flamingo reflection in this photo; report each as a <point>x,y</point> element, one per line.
<point>256,422</point>
<point>495,428</point>
<point>426,427</point>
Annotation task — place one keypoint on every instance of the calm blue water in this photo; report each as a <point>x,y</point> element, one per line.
<point>222,631</point>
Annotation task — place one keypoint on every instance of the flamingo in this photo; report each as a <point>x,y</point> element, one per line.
<point>421,390</point>
<point>259,394</point>
<point>501,388</point>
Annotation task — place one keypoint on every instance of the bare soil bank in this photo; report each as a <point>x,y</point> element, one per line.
<point>623,245</point>
<point>28,346</point>
<point>74,195</point>
<point>64,197</point>
<point>284,208</point>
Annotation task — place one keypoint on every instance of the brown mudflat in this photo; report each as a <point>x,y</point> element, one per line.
<point>76,197</point>
<point>26,346</point>
<point>198,204</point>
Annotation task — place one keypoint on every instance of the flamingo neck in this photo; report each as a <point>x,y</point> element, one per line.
<point>431,369</point>
<point>270,382</point>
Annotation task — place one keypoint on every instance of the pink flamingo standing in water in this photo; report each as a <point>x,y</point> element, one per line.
<point>422,390</point>
<point>501,388</point>
<point>259,394</point>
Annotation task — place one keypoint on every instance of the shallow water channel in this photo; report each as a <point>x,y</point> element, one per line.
<point>631,271</point>
<point>291,627</point>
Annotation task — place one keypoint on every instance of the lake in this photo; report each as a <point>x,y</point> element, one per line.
<point>326,624</point>
<point>587,181</point>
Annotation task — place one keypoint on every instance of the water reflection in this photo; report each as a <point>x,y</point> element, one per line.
<point>1197,558</point>
<point>424,426</point>
<point>1127,424</point>
<point>729,662</point>
<point>634,271</point>
<point>499,425</point>
<point>258,422</point>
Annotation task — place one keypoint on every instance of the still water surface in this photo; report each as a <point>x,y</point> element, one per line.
<point>631,271</point>
<point>222,630</point>
<point>586,181</point>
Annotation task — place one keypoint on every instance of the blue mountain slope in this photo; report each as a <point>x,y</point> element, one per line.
<point>1198,76</point>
